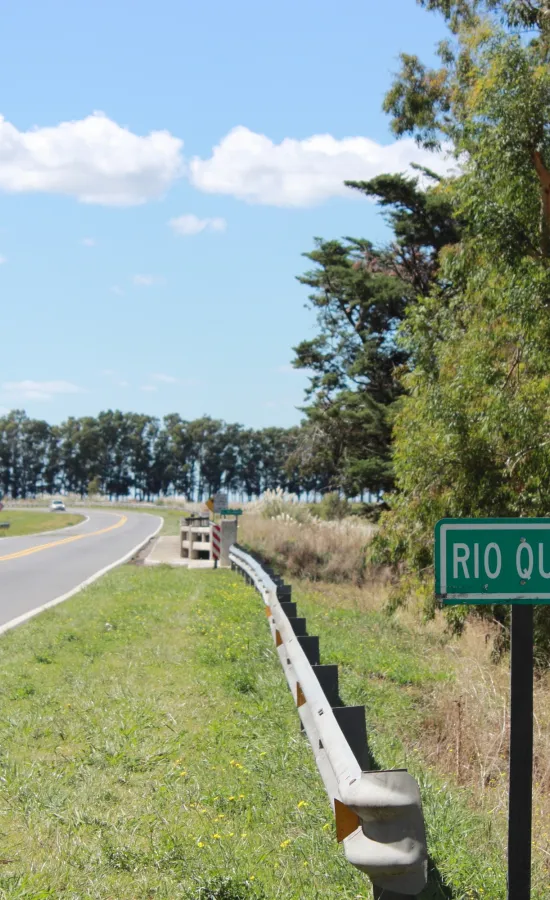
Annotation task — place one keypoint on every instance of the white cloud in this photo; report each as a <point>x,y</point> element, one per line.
<point>38,390</point>
<point>296,173</point>
<point>88,242</point>
<point>147,280</point>
<point>191,224</point>
<point>3,259</point>
<point>93,159</point>
<point>149,388</point>
<point>166,379</point>
<point>115,289</point>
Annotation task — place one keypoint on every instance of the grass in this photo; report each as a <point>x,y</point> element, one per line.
<point>149,747</point>
<point>320,550</point>
<point>24,522</point>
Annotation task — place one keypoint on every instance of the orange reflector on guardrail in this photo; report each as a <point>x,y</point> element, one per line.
<point>346,820</point>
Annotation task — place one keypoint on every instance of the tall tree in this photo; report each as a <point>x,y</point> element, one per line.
<point>361,295</point>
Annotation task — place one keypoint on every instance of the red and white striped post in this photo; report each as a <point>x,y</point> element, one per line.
<point>216,539</point>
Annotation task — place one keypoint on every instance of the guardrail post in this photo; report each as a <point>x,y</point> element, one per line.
<point>310,646</point>
<point>352,721</point>
<point>289,609</point>
<point>327,677</point>
<point>298,626</point>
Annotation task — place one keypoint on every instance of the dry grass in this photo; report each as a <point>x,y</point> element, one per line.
<point>468,730</point>
<point>466,718</point>
<point>316,550</point>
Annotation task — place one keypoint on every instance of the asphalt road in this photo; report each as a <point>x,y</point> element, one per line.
<point>38,570</point>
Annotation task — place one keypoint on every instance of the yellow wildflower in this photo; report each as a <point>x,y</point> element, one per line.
<point>285,843</point>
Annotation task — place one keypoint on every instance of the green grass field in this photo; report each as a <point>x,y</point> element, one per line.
<point>33,522</point>
<point>149,748</point>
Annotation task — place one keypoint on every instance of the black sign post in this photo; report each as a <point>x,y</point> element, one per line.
<point>482,561</point>
<point>521,755</point>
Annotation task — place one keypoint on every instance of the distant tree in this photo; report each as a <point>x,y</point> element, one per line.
<point>94,486</point>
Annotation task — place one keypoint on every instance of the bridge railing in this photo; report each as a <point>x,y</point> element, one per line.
<point>378,814</point>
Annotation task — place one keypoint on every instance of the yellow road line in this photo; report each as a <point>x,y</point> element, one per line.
<point>69,540</point>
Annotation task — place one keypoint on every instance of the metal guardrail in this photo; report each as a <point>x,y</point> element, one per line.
<point>378,813</point>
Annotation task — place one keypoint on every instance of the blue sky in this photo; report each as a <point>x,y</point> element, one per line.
<point>149,251</point>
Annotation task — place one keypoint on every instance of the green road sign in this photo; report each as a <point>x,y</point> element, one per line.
<point>231,512</point>
<point>492,561</point>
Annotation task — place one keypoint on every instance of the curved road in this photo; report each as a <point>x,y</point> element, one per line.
<point>42,569</point>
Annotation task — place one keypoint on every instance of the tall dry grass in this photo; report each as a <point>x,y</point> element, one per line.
<point>311,549</point>
<point>467,732</point>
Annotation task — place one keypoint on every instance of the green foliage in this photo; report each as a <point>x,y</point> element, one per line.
<point>361,295</point>
<point>472,433</point>
<point>332,507</point>
<point>94,486</point>
<point>226,888</point>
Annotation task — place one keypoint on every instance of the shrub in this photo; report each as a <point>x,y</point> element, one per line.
<point>332,507</point>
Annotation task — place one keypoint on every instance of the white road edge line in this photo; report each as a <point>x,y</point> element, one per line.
<point>13,623</point>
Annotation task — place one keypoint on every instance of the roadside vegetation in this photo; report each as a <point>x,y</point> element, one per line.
<point>440,696</point>
<point>23,522</point>
<point>150,748</point>
<point>320,542</point>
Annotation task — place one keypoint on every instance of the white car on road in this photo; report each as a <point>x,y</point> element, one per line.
<point>57,506</point>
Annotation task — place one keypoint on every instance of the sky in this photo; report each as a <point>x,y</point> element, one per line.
<point>163,167</point>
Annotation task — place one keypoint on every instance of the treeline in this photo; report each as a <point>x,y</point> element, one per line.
<point>121,454</point>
